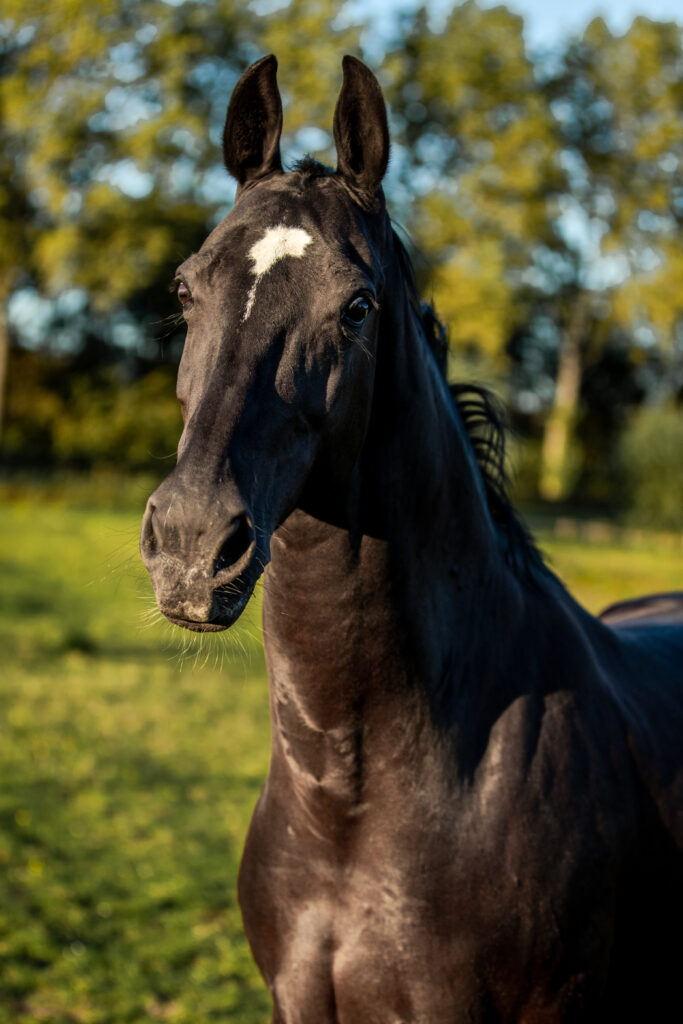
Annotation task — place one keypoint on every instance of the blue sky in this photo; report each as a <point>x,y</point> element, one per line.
<point>547,21</point>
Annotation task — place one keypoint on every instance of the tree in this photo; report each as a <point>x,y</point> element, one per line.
<point>111,117</point>
<point>15,231</point>
<point>114,113</point>
<point>479,145</point>
<point>617,102</point>
<point>104,105</point>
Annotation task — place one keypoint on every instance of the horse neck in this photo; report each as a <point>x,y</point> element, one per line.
<point>381,604</point>
<point>420,484</point>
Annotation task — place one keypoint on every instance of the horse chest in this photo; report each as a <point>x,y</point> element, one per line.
<point>425,923</point>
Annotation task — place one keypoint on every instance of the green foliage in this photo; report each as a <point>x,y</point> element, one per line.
<point>618,109</point>
<point>534,189</point>
<point>651,456</point>
<point>623,124</point>
<point>524,456</point>
<point>111,168</point>
<point>481,146</point>
<point>61,414</point>
<point>90,89</point>
<point>35,403</point>
<point>134,424</point>
<point>112,115</point>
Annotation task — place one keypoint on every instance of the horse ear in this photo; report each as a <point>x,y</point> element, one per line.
<point>361,133</point>
<point>251,136</point>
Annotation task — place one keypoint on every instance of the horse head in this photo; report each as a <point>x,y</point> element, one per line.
<point>275,383</point>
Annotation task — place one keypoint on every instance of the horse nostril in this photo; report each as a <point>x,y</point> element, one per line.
<point>148,537</point>
<point>236,545</point>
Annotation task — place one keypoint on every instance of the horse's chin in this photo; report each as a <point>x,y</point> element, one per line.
<point>199,627</point>
<point>227,604</point>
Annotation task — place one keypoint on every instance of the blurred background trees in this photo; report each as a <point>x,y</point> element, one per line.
<point>542,194</point>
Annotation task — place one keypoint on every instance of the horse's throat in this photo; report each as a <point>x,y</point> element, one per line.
<point>323,763</point>
<point>336,658</point>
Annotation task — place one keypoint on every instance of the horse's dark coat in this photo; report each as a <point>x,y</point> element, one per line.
<point>473,810</point>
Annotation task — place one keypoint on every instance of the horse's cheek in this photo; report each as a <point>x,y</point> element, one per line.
<point>348,401</point>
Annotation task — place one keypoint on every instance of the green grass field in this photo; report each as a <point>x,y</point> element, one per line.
<point>131,757</point>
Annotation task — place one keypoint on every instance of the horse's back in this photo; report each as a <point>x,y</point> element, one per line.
<point>647,683</point>
<point>655,609</point>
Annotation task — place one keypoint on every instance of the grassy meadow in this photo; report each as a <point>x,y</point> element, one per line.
<point>130,758</point>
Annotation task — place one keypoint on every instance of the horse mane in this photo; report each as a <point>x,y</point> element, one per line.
<point>485,422</point>
<point>312,168</point>
<point>484,419</point>
<point>482,415</point>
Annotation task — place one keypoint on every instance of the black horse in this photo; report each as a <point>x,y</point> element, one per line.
<point>474,798</point>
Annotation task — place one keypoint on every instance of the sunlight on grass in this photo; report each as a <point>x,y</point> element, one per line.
<point>131,761</point>
<point>600,574</point>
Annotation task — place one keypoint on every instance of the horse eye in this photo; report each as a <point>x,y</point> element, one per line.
<point>184,294</point>
<point>356,312</point>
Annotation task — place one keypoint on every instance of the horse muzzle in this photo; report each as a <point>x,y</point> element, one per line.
<point>202,561</point>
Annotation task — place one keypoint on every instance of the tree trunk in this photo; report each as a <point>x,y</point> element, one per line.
<point>555,473</point>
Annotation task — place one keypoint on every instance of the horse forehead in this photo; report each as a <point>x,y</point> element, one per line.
<point>275,244</point>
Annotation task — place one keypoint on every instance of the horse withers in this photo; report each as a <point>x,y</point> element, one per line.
<point>473,808</point>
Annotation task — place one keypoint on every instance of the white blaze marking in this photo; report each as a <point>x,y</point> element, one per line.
<point>277,243</point>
